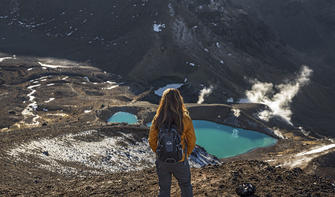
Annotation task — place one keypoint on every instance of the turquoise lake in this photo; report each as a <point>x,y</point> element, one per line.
<point>125,117</point>
<point>217,139</point>
<point>225,141</point>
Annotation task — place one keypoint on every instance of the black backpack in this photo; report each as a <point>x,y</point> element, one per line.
<point>169,148</point>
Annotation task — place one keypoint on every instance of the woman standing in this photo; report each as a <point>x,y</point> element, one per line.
<point>172,113</point>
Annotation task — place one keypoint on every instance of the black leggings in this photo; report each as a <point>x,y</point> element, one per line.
<point>180,170</point>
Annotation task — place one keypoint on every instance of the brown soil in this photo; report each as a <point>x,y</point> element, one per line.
<point>208,181</point>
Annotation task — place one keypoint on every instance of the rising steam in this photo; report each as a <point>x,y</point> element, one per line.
<point>203,93</point>
<point>278,97</point>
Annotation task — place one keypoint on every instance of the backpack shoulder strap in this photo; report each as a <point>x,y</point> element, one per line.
<point>185,159</point>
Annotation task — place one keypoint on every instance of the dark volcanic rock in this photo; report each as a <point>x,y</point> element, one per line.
<point>309,27</point>
<point>325,165</point>
<point>206,43</point>
<point>127,40</point>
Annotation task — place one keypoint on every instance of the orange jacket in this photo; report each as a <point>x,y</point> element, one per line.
<point>188,136</point>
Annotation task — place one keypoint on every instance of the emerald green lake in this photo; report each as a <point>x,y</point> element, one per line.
<point>125,117</point>
<point>217,139</point>
<point>225,141</point>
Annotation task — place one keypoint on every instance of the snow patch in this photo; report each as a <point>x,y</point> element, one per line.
<point>160,91</point>
<point>50,99</point>
<point>34,86</point>
<point>5,58</point>
<point>87,79</point>
<point>70,33</point>
<point>104,154</point>
<point>112,85</point>
<point>230,100</point>
<point>31,107</point>
<point>51,65</point>
<point>191,64</point>
<point>244,100</point>
<point>158,27</point>
<point>61,63</point>
<point>58,114</point>
<point>303,158</point>
<point>317,150</point>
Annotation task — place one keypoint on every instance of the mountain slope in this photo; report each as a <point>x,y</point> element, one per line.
<point>153,43</point>
<point>121,38</point>
<point>309,27</point>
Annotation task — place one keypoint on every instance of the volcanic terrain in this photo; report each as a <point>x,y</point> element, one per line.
<point>68,66</point>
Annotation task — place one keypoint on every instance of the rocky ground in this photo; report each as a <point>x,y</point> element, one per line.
<point>209,181</point>
<point>53,91</point>
<point>27,176</point>
<point>55,140</point>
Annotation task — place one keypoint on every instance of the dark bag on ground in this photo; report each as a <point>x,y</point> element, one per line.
<point>169,148</point>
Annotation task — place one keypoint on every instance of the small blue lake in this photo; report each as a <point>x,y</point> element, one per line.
<point>225,141</point>
<point>125,117</point>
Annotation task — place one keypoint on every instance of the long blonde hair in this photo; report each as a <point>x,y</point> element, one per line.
<point>171,110</point>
